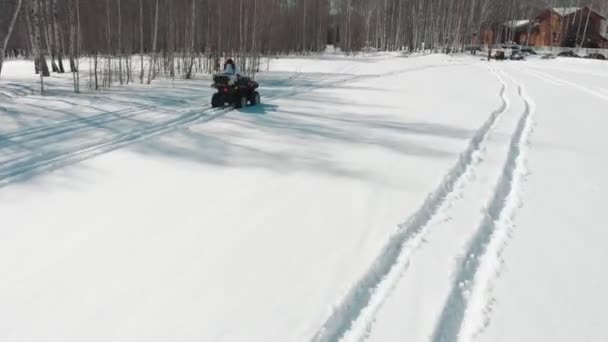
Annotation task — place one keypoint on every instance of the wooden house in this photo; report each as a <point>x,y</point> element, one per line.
<point>563,27</point>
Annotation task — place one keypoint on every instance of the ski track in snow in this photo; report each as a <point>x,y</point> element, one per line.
<point>352,318</point>
<point>545,78</point>
<point>558,80</point>
<point>466,312</point>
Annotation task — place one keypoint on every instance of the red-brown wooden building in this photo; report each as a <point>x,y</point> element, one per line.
<point>565,27</point>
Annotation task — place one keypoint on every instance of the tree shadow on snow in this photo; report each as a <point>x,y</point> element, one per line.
<point>304,138</point>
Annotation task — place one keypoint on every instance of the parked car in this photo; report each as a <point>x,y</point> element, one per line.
<point>568,53</point>
<point>498,54</point>
<point>473,49</point>
<point>596,55</point>
<point>517,56</point>
<point>528,50</point>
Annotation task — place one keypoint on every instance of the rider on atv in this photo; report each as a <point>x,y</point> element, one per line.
<point>234,89</point>
<point>231,71</point>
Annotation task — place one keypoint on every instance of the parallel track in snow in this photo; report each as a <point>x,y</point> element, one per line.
<point>466,311</point>
<point>355,313</point>
<point>12,172</point>
<point>74,125</point>
<point>35,139</point>
<point>558,80</point>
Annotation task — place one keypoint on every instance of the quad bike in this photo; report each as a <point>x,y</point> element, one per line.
<point>239,94</point>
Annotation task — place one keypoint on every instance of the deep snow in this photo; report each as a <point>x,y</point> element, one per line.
<point>378,198</point>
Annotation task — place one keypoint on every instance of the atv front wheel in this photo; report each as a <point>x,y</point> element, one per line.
<point>217,100</point>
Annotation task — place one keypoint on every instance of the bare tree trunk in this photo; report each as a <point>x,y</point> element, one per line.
<point>73,38</point>
<point>398,32</point>
<point>580,21</point>
<point>241,25</point>
<point>4,42</point>
<point>141,41</point>
<point>253,35</point>
<point>192,40</point>
<point>153,63</point>
<point>586,26</point>
<point>109,33</point>
<point>304,26</point>
<point>120,78</point>
<point>47,32</point>
<point>95,63</point>
<point>38,50</point>
<point>56,41</point>
<point>219,36</point>
<point>27,8</point>
<point>77,43</point>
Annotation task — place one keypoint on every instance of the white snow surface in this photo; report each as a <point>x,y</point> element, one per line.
<point>369,198</point>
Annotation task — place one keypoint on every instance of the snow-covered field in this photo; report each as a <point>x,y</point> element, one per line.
<point>375,198</point>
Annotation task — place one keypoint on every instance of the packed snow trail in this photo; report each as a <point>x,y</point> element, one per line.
<point>352,317</point>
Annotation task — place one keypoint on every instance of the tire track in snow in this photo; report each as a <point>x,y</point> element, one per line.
<point>332,80</point>
<point>68,125</point>
<point>25,140</point>
<point>24,170</point>
<point>355,313</point>
<point>88,121</point>
<point>466,311</point>
<point>16,172</point>
<point>13,90</point>
<point>28,150</point>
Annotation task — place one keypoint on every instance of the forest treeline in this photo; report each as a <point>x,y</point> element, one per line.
<point>181,37</point>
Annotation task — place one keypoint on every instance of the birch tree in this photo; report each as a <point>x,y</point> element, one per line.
<point>40,60</point>
<point>154,41</point>
<point>8,31</point>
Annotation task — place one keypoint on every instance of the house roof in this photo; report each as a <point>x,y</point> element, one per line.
<point>515,24</point>
<point>566,11</point>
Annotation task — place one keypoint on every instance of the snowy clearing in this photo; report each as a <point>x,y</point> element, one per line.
<point>372,198</point>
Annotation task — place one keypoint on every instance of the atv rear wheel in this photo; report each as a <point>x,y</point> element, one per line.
<point>255,98</point>
<point>241,103</point>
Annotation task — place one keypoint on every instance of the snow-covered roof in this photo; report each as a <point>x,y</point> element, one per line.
<point>564,11</point>
<point>515,24</point>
